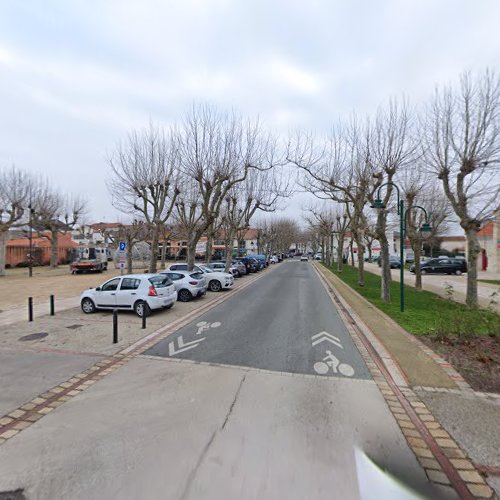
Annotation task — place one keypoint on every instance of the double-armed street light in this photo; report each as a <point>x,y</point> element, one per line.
<point>425,231</point>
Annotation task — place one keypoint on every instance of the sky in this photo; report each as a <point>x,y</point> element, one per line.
<point>77,76</point>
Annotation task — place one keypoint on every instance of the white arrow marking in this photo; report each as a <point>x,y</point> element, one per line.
<point>183,346</point>
<point>322,336</point>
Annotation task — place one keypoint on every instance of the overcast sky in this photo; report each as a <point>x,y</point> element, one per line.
<point>77,76</point>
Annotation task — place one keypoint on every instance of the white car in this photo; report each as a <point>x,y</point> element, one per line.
<point>188,284</point>
<point>134,292</point>
<point>304,258</point>
<point>274,259</point>
<point>217,280</point>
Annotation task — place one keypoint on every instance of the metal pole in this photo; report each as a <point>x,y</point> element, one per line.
<point>115,326</point>
<point>144,319</point>
<point>401,250</point>
<point>52,305</point>
<point>30,260</point>
<point>30,308</point>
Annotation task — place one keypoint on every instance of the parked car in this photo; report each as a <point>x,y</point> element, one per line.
<point>242,270</point>
<point>409,258</point>
<point>217,280</point>
<point>221,266</point>
<point>135,292</point>
<point>273,259</point>
<point>304,258</point>
<point>187,284</point>
<point>262,259</point>
<point>442,266</point>
<point>394,262</point>
<point>251,265</point>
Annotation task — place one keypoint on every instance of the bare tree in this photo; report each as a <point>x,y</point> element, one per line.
<point>340,171</point>
<point>463,151</point>
<point>419,192</point>
<point>392,145</point>
<point>145,170</point>
<point>55,214</point>
<point>14,199</point>
<point>133,233</point>
<point>218,151</point>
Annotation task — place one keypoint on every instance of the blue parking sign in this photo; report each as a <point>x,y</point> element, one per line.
<point>123,246</point>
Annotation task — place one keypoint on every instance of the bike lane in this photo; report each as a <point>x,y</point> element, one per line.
<point>286,323</point>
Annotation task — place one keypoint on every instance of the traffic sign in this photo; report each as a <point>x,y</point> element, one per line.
<point>122,246</point>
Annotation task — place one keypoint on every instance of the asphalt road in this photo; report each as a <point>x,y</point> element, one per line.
<point>285,323</point>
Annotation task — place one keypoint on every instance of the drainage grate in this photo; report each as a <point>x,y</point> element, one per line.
<point>32,336</point>
<point>74,327</point>
<point>12,495</point>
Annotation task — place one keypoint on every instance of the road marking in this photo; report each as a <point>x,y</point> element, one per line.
<point>322,336</point>
<point>183,346</point>
<point>330,361</point>
<point>204,325</point>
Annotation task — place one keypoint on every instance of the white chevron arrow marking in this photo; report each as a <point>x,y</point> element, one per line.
<point>322,336</point>
<point>183,346</point>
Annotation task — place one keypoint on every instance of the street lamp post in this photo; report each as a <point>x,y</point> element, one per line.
<point>425,230</point>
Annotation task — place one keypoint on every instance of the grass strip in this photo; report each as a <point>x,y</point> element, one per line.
<point>425,312</point>
<point>491,282</point>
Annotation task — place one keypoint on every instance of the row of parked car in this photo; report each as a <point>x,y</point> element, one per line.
<point>440,265</point>
<point>143,293</point>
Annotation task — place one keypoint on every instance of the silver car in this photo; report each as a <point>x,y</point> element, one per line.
<point>189,284</point>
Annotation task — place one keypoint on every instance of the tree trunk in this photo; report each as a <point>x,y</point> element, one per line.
<point>130,247</point>
<point>418,273</point>
<point>361,264</point>
<point>163,253</point>
<point>473,250</point>
<point>351,251</point>
<point>208,254</point>
<point>340,254</point>
<point>155,236</point>
<point>4,236</point>
<point>228,252</point>
<point>385,284</point>
<point>191,254</point>
<point>331,246</point>
<point>54,247</point>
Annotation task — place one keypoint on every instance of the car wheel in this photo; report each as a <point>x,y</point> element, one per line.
<point>88,306</point>
<point>214,286</point>
<point>141,308</point>
<point>423,271</point>
<point>458,272</point>
<point>184,295</point>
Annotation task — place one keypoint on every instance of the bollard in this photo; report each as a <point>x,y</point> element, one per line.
<point>144,319</point>
<point>30,308</point>
<point>52,306</point>
<point>115,326</point>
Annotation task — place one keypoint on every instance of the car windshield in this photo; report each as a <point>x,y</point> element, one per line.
<point>196,276</point>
